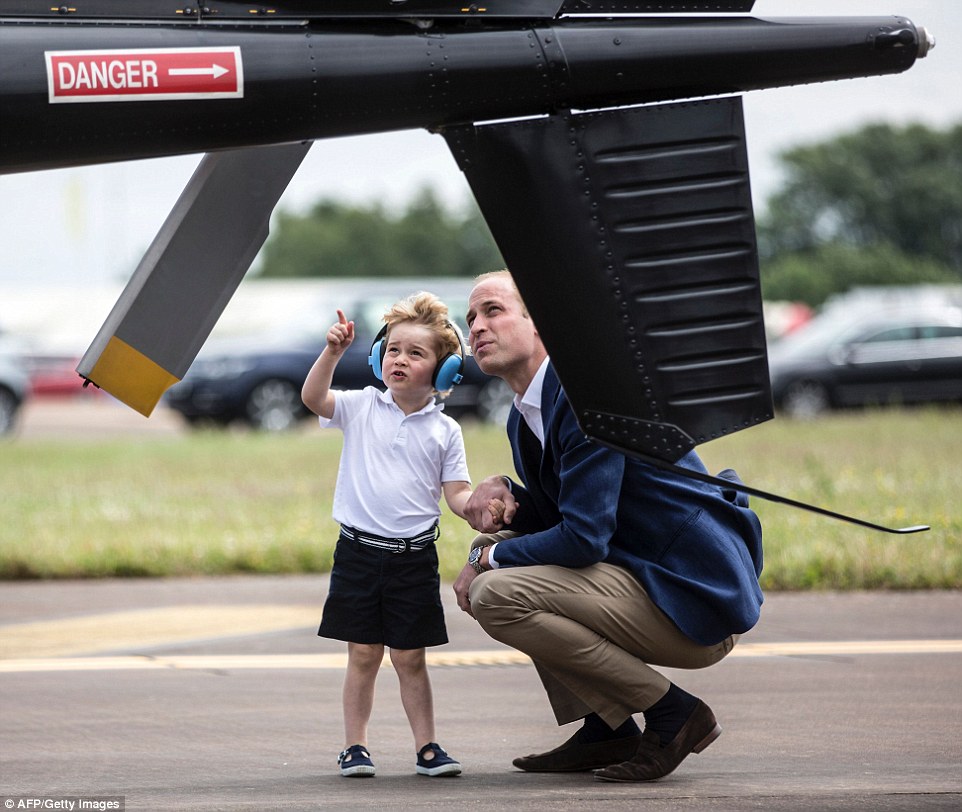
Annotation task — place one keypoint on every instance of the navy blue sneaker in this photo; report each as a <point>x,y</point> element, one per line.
<point>355,762</point>
<point>439,764</point>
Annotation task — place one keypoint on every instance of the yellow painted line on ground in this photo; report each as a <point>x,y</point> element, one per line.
<point>495,657</point>
<point>148,628</point>
<point>847,648</point>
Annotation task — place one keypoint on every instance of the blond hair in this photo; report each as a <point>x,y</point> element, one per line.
<point>427,310</point>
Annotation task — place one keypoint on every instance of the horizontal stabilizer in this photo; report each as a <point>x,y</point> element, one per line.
<point>189,273</point>
<point>630,234</point>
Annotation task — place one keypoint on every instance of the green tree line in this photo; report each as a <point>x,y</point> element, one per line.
<point>880,205</point>
<point>335,239</point>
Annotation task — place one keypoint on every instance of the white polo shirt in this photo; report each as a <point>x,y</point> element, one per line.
<point>392,465</point>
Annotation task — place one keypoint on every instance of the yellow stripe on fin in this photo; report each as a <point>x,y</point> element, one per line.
<point>130,376</point>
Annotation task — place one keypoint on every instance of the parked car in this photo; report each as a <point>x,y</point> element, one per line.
<point>54,375</point>
<point>866,353</point>
<point>258,379</point>
<point>14,384</point>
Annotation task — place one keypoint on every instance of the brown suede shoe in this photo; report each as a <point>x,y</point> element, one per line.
<point>652,760</point>
<point>575,756</point>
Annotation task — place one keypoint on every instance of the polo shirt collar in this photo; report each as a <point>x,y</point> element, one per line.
<point>388,397</point>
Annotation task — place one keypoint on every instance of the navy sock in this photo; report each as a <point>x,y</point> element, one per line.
<point>667,716</point>
<point>595,729</point>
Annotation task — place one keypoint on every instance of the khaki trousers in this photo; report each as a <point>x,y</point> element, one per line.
<point>593,634</point>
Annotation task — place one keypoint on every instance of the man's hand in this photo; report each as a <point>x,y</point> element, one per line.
<point>483,509</point>
<point>461,587</point>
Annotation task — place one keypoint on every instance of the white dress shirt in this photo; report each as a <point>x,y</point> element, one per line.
<point>529,404</point>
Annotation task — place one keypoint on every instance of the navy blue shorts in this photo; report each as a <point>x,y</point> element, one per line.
<point>377,596</point>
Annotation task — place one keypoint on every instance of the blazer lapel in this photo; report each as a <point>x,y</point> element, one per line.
<point>530,452</point>
<point>527,451</point>
<point>534,464</point>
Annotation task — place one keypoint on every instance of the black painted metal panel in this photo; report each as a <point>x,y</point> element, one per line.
<point>631,236</point>
<point>655,6</point>
<point>279,9</point>
<point>356,9</point>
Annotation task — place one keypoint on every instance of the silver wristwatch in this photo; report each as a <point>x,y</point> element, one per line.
<point>474,559</point>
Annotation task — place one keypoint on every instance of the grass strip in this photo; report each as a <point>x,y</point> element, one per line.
<point>226,502</point>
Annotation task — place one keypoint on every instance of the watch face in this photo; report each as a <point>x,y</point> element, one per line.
<point>475,556</point>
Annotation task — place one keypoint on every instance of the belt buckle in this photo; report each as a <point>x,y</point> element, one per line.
<point>403,544</point>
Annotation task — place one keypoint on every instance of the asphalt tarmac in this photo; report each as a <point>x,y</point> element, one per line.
<point>216,694</point>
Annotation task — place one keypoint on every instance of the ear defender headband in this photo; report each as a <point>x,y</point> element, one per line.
<point>448,372</point>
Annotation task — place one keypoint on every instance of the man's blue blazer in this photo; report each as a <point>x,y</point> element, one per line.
<point>696,549</point>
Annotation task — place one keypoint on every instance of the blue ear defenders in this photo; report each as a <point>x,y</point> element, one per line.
<point>448,372</point>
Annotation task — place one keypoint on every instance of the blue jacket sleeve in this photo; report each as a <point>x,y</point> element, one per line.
<point>585,482</point>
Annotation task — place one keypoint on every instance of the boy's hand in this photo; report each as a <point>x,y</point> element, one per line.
<point>341,335</point>
<point>496,508</point>
<point>482,510</point>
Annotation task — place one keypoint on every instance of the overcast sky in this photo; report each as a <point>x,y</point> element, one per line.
<point>93,224</point>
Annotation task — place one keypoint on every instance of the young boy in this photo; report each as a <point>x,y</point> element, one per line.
<point>400,453</point>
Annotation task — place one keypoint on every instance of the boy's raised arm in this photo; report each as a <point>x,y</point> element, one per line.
<point>316,392</point>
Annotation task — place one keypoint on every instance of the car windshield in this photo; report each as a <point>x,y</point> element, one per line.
<point>827,330</point>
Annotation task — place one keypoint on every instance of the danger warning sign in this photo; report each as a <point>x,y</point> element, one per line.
<point>160,74</point>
